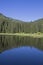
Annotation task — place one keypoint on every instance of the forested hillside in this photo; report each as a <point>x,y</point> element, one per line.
<point>9,25</point>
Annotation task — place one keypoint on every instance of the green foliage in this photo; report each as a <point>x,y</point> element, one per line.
<point>9,25</point>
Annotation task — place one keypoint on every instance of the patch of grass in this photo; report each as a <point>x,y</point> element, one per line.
<point>35,35</point>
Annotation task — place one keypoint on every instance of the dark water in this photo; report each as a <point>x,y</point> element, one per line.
<point>15,50</point>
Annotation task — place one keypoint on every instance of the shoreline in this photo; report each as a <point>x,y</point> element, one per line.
<point>35,35</point>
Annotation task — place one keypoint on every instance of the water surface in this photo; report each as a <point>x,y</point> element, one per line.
<point>15,50</point>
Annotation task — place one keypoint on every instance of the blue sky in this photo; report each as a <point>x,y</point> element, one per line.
<point>26,10</point>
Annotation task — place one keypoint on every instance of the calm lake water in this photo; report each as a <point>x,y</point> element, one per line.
<point>16,50</point>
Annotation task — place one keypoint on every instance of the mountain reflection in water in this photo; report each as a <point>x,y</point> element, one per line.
<point>7,42</point>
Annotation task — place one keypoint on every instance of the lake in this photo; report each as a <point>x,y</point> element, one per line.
<point>17,50</point>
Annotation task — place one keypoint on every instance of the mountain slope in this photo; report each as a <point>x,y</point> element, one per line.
<point>9,25</point>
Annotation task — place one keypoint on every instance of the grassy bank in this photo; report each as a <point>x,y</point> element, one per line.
<point>35,35</point>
